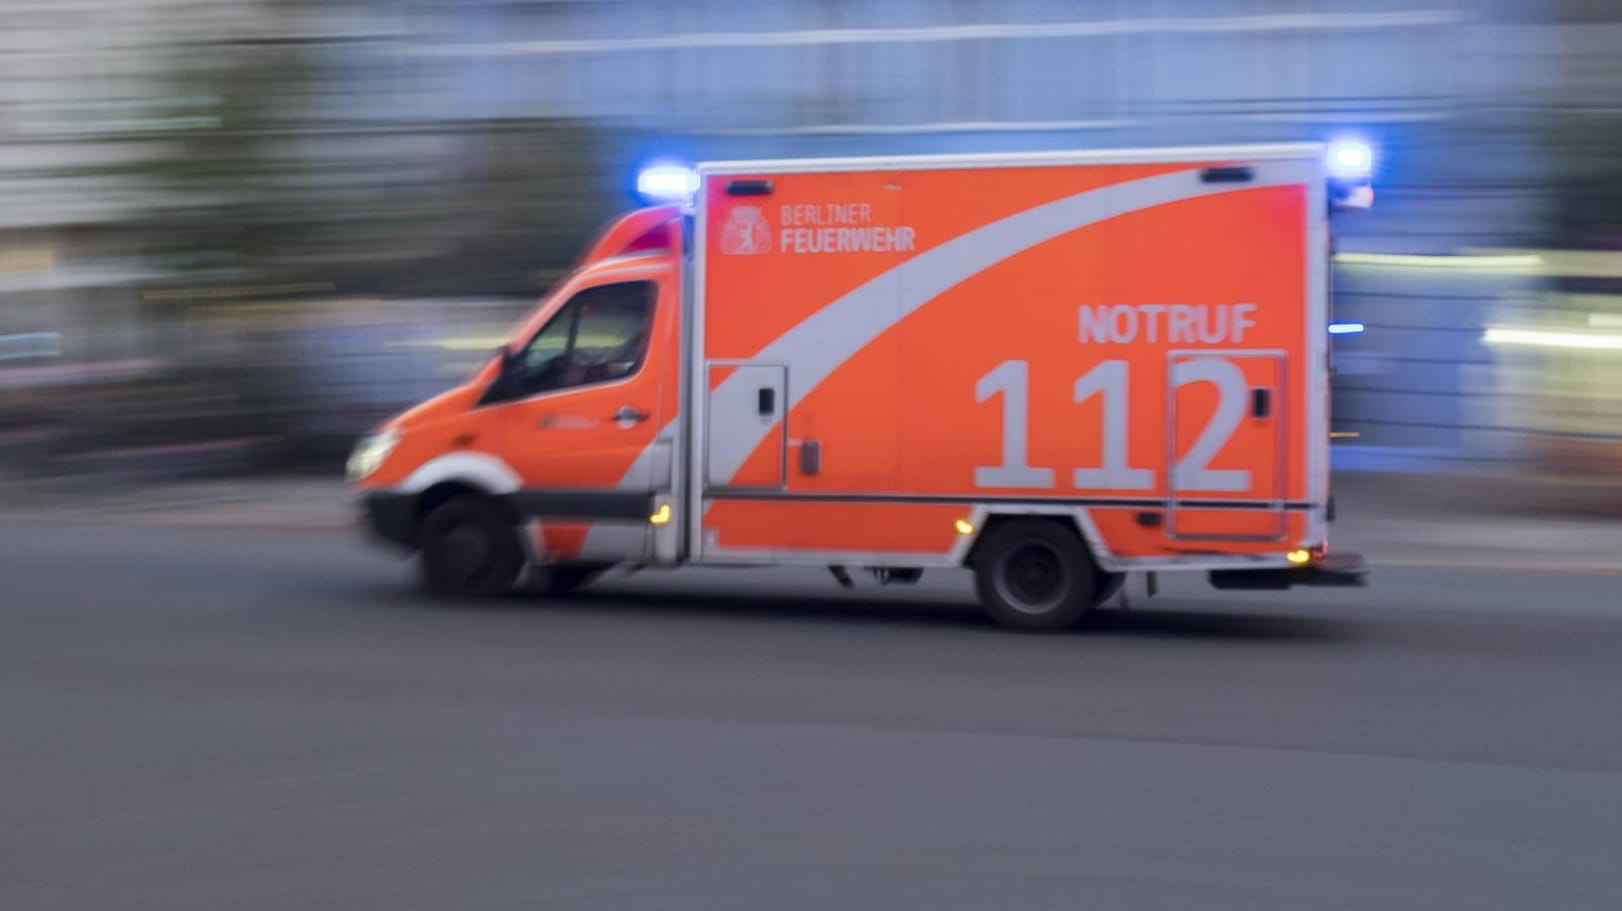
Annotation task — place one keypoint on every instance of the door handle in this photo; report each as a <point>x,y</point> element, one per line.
<point>1261,402</point>
<point>810,457</point>
<point>632,415</point>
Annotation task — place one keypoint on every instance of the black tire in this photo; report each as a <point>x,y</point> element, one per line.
<point>469,547</point>
<point>1036,575</point>
<point>562,578</point>
<point>1110,587</point>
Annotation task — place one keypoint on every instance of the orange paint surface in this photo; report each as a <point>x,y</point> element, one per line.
<point>874,527</point>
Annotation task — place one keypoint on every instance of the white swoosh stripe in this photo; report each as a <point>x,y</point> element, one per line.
<point>824,341</point>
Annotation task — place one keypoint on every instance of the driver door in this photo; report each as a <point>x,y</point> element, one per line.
<point>584,406</point>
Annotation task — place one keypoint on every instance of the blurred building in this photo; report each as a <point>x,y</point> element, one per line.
<point>453,147</point>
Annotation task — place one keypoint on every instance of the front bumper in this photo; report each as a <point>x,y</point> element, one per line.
<point>389,518</point>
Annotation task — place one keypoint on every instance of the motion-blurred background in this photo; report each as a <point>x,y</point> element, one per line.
<point>234,233</point>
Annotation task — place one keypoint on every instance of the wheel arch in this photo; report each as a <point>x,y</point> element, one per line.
<point>987,519</point>
<point>442,492</point>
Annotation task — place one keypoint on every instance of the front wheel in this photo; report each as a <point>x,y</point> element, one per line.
<point>1035,575</point>
<point>469,547</point>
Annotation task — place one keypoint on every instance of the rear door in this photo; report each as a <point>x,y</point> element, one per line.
<point>1219,276</point>
<point>1228,423</point>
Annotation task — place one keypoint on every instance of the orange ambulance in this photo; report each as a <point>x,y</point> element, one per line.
<point>1052,368</point>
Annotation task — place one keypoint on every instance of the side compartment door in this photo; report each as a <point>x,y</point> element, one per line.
<point>1227,420</point>
<point>745,400</point>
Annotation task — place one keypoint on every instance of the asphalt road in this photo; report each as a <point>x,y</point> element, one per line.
<point>214,719</point>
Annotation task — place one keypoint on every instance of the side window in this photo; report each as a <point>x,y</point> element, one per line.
<point>550,344</point>
<point>599,336</point>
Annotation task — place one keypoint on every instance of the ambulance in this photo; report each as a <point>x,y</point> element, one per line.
<point>1052,368</point>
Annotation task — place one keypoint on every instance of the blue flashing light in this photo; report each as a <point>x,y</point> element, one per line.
<point>667,183</point>
<point>1345,328</point>
<point>1350,159</point>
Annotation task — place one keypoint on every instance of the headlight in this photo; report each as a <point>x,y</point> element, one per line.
<point>370,452</point>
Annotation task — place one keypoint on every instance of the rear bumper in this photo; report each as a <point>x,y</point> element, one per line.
<point>389,518</point>
<point>1337,570</point>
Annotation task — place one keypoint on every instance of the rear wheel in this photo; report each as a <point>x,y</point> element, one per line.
<point>469,547</point>
<point>1034,574</point>
<point>1110,587</point>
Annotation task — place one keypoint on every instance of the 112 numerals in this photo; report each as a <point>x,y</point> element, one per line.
<point>1109,379</point>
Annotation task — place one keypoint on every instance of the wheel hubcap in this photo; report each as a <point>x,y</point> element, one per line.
<point>464,551</point>
<point>1033,578</point>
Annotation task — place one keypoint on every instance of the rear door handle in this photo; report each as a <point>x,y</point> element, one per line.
<point>631,415</point>
<point>1261,402</point>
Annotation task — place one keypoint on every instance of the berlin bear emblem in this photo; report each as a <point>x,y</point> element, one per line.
<point>746,232</point>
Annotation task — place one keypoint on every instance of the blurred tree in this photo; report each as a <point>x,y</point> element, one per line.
<point>522,207</point>
<point>271,178</point>
<point>1588,188</point>
<point>1584,131</point>
<point>224,183</point>
<point>291,156</point>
